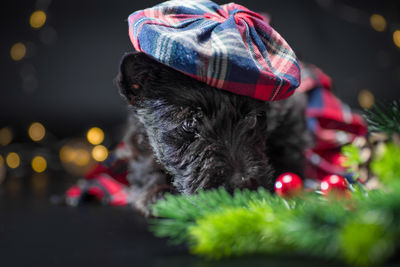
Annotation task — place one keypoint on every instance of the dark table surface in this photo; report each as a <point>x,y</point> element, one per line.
<point>34,232</point>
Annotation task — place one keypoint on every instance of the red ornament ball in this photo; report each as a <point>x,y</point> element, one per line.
<point>288,184</point>
<point>333,183</point>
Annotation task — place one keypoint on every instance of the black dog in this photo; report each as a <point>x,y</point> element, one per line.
<point>185,135</point>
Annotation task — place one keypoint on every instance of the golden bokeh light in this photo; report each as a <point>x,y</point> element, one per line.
<point>95,136</point>
<point>13,160</point>
<point>37,19</point>
<point>396,38</point>
<point>1,161</point>
<point>75,156</point>
<point>36,131</point>
<point>18,51</point>
<point>100,153</point>
<point>67,154</point>
<point>378,22</point>
<point>366,99</point>
<point>39,164</point>
<point>82,157</point>
<point>5,136</point>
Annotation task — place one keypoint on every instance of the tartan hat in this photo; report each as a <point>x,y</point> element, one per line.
<point>228,47</point>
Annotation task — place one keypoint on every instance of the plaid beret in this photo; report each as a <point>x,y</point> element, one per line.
<point>228,47</point>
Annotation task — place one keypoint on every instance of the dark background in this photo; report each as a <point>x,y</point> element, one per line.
<point>70,83</point>
<point>66,82</point>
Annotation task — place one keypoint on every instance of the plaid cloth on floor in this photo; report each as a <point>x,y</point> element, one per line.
<point>106,182</point>
<point>217,45</point>
<point>331,122</point>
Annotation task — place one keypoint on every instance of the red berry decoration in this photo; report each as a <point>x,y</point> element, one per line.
<point>288,184</point>
<point>334,184</point>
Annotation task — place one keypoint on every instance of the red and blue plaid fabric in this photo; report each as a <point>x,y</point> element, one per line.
<point>228,47</point>
<point>331,122</point>
<point>106,181</point>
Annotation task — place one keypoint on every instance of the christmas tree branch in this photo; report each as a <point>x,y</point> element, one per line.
<point>216,224</point>
<point>384,118</point>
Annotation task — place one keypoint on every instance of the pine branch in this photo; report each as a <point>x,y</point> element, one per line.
<point>178,213</point>
<point>384,118</point>
<point>216,224</point>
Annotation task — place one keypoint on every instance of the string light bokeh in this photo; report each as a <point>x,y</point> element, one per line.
<point>99,153</point>
<point>13,160</point>
<point>39,164</point>
<point>95,136</point>
<point>396,38</point>
<point>36,131</point>
<point>18,51</point>
<point>37,19</point>
<point>378,22</point>
<point>366,99</point>
<point>5,136</point>
<point>76,155</point>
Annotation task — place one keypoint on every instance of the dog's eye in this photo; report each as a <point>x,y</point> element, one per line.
<point>251,121</point>
<point>189,125</point>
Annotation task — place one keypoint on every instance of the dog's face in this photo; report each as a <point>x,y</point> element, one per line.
<point>203,137</point>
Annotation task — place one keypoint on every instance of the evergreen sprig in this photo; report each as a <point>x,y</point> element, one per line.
<point>181,212</point>
<point>384,118</point>
<point>363,230</point>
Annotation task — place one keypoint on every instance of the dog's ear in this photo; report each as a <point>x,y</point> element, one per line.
<point>136,70</point>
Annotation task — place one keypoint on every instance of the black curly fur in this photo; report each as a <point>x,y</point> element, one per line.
<point>185,135</point>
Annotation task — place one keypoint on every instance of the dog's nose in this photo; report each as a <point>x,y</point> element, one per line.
<point>237,178</point>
